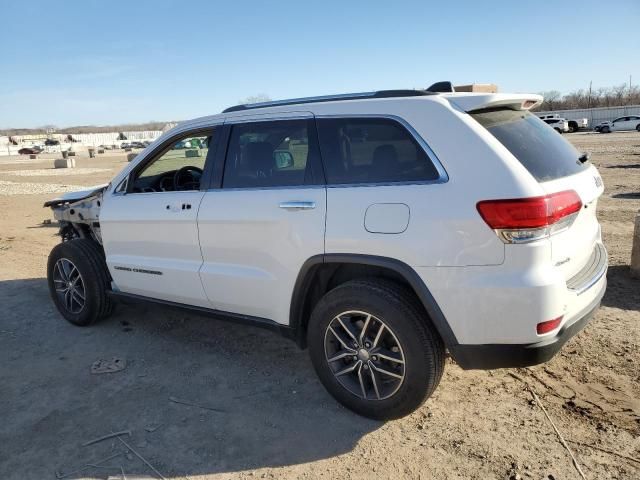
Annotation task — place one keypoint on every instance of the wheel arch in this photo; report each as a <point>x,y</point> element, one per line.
<point>321,273</point>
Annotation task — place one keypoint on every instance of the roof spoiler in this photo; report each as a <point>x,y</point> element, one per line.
<point>480,101</point>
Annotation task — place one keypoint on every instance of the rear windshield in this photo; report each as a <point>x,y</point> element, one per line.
<point>540,149</point>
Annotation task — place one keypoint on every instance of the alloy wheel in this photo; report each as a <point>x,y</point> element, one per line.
<point>69,285</point>
<point>364,355</point>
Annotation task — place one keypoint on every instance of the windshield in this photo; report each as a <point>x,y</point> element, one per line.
<point>539,148</point>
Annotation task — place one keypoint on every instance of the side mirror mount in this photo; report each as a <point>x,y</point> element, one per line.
<point>283,159</point>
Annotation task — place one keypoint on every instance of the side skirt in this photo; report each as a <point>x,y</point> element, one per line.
<point>283,330</point>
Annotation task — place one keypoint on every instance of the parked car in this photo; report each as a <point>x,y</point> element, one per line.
<point>620,124</point>
<point>33,150</point>
<point>376,229</point>
<point>560,125</point>
<point>574,124</point>
<point>137,145</point>
<point>125,145</point>
<point>49,142</point>
<point>599,126</point>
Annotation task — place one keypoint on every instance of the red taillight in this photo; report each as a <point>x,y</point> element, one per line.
<point>548,326</point>
<point>536,212</point>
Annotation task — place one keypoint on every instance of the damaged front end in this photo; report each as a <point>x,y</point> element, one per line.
<point>78,213</point>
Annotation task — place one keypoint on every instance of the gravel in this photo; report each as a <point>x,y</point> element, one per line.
<point>54,172</point>
<point>17,188</point>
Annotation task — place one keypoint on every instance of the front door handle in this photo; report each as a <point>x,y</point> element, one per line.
<point>298,205</point>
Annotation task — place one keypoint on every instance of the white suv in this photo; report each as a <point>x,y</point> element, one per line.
<point>376,229</point>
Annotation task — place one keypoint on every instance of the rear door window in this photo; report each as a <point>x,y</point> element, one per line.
<point>371,150</point>
<point>539,148</point>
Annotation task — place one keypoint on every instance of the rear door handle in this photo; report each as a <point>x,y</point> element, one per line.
<point>176,207</point>
<point>298,205</point>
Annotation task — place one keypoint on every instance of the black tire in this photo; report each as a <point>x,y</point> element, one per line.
<point>421,346</point>
<point>558,130</point>
<point>638,127</point>
<point>87,257</point>
<point>605,130</point>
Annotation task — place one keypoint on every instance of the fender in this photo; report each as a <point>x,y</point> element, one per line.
<point>303,282</point>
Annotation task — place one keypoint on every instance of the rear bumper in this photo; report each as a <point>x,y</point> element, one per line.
<point>491,356</point>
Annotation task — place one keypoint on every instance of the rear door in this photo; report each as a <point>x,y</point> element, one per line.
<point>148,223</point>
<point>263,217</point>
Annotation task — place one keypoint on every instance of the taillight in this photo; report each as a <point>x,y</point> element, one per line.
<point>525,220</point>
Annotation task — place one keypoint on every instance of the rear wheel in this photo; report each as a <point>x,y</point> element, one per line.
<point>78,281</point>
<point>638,127</point>
<point>374,349</point>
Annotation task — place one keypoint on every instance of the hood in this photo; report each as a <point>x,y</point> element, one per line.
<point>76,196</point>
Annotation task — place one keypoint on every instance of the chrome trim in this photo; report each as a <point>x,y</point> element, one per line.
<point>443,176</point>
<point>595,268</point>
<point>276,187</point>
<point>297,205</point>
<point>254,117</point>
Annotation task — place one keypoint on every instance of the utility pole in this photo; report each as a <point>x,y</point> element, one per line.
<point>589,104</point>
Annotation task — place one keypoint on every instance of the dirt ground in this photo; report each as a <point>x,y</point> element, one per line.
<point>265,414</point>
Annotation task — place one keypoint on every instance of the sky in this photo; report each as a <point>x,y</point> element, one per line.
<point>96,62</point>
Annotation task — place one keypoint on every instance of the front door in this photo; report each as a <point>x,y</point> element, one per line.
<point>149,226</point>
<point>264,218</point>
<point>620,124</point>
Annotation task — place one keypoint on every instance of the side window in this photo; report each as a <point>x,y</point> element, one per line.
<point>268,154</point>
<point>370,150</point>
<point>178,168</point>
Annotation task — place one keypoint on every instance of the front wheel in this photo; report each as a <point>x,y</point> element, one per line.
<point>638,128</point>
<point>78,281</point>
<point>605,130</point>
<point>374,349</point>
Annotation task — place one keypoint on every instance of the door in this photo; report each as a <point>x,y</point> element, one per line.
<point>620,124</point>
<point>264,218</point>
<point>149,224</point>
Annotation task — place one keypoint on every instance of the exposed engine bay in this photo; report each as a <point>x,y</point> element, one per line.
<point>78,213</point>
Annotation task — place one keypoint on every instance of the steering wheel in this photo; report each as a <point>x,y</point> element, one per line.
<point>181,172</point>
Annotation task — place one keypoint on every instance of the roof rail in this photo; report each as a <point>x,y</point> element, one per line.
<point>330,98</point>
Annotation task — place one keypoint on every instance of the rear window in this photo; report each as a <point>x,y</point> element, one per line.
<point>539,148</point>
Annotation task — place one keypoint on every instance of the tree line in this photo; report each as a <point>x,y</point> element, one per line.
<point>617,96</point>
<point>133,127</point>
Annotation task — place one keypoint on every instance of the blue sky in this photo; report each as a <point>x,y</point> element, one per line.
<point>107,62</point>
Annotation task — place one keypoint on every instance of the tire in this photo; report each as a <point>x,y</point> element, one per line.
<point>605,130</point>
<point>558,130</point>
<point>638,128</point>
<point>90,280</point>
<point>573,127</point>
<point>375,394</point>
